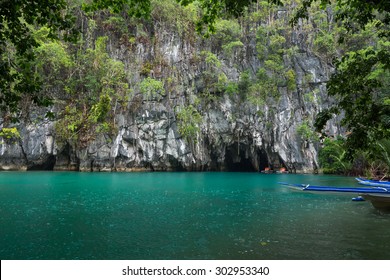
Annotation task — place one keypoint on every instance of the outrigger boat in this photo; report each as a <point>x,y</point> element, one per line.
<point>379,201</point>
<point>373,183</point>
<point>308,187</point>
<point>378,196</point>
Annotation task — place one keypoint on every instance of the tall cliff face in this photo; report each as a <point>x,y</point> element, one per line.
<point>234,134</point>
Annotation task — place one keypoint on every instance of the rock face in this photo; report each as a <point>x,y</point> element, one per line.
<point>234,135</point>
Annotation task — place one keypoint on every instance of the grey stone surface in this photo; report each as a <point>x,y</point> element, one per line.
<point>234,134</point>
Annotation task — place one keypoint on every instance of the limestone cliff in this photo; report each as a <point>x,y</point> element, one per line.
<point>234,134</point>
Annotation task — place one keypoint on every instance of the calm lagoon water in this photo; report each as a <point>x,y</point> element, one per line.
<point>69,215</point>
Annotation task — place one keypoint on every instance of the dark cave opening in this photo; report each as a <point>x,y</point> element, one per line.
<point>244,165</point>
<point>47,165</point>
<point>242,158</point>
<point>175,164</point>
<point>263,160</point>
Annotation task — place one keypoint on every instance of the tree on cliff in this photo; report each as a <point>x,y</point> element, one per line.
<point>17,18</point>
<point>361,79</point>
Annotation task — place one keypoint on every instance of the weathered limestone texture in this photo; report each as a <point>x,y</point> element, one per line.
<point>234,134</point>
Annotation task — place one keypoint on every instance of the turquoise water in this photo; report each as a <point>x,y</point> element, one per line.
<point>55,215</point>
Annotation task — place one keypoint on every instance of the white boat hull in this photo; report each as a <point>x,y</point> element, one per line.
<point>380,201</point>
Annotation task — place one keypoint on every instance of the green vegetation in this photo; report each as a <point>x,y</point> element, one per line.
<point>9,134</point>
<point>332,157</point>
<point>373,162</point>
<point>214,80</point>
<point>188,122</point>
<point>172,16</point>
<point>306,132</point>
<point>17,77</point>
<point>94,83</point>
<point>54,59</point>
<point>361,86</point>
<point>227,36</point>
<point>152,89</point>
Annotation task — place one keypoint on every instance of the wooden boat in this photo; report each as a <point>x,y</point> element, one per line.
<point>373,183</point>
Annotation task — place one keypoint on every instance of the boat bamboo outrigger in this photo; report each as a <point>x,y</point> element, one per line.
<point>379,196</point>
<point>373,183</point>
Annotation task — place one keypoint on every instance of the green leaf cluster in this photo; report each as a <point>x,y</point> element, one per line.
<point>227,36</point>
<point>188,122</point>
<point>9,134</point>
<point>176,17</point>
<point>17,43</point>
<point>135,8</point>
<point>152,88</point>
<point>332,157</point>
<point>361,86</point>
<point>96,85</point>
<point>273,48</point>
<point>306,132</point>
<point>214,79</point>
<point>373,162</point>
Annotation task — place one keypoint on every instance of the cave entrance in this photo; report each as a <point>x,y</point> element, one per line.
<point>47,165</point>
<point>263,160</point>
<point>239,158</point>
